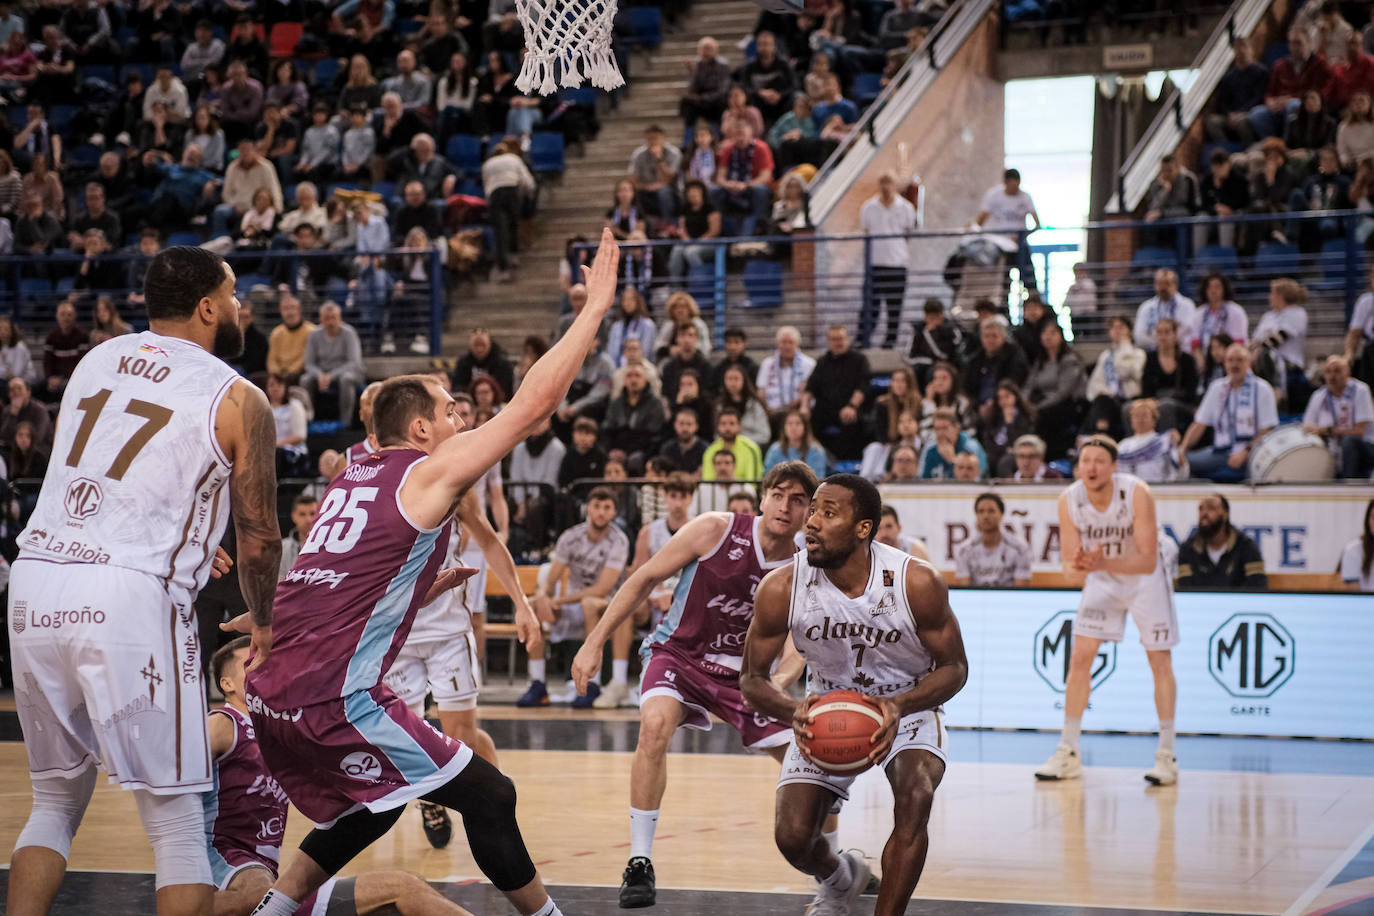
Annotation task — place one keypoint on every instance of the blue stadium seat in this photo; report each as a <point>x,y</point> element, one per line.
<point>648,26</point>
<point>1333,266</point>
<point>701,285</point>
<point>102,72</point>
<point>60,117</point>
<point>763,284</point>
<point>867,87</point>
<point>472,188</point>
<point>19,118</point>
<point>324,427</point>
<point>584,96</point>
<point>248,281</point>
<point>184,238</point>
<point>1153,258</point>
<point>386,189</point>
<point>1277,259</point>
<point>85,154</point>
<point>845,467</point>
<point>1274,53</point>
<point>407,26</point>
<point>546,153</point>
<point>464,152</point>
<point>326,68</point>
<point>148,71</point>
<point>64,286</point>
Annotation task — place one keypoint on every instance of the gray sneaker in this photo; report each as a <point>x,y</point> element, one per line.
<point>827,903</point>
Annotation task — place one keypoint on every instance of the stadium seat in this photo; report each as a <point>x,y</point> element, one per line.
<point>464,152</point>
<point>546,153</point>
<point>19,118</point>
<point>184,238</point>
<point>60,117</point>
<point>648,27</point>
<point>845,467</point>
<point>1277,259</point>
<point>584,97</point>
<point>406,27</point>
<point>147,71</point>
<point>386,190</point>
<point>701,285</point>
<point>763,284</point>
<point>472,188</point>
<point>1274,53</point>
<point>285,37</point>
<point>64,286</point>
<point>1150,259</point>
<point>248,281</point>
<point>867,87</point>
<point>326,68</point>
<point>85,154</point>
<point>103,72</point>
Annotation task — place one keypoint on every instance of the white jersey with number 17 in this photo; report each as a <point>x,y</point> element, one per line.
<point>136,474</point>
<point>1112,528</point>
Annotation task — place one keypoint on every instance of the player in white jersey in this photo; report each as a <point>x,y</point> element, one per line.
<point>1110,542</point>
<point>890,533</point>
<point>104,637</point>
<point>992,556</point>
<point>871,618</point>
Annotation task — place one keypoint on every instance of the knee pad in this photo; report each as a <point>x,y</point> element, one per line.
<point>58,806</point>
<point>333,847</point>
<point>176,829</point>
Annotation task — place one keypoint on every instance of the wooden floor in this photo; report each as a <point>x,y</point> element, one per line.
<point>1223,842</point>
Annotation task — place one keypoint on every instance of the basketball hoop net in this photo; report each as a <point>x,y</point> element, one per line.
<point>567,42</point>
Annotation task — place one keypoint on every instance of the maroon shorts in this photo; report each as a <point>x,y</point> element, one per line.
<point>703,694</point>
<point>366,750</point>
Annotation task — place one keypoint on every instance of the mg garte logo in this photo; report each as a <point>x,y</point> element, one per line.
<point>1251,655</point>
<point>1054,646</point>
<point>362,766</point>
<point>83,498</point>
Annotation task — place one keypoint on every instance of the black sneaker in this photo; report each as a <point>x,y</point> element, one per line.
<point>637,888</point>
<point>438,827</point>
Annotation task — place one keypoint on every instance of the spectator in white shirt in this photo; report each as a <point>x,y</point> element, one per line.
<point>1240,408</point>
<point>1115,378</point>
<point>1167,302</point>
<point>1342,413</point>
<point>1282,335</point>
<point>1219,314</point>
<point>783,374</point>
<point>1361,330</point>
<point>886,214</point>
<point>1004,209</point>
<point>170,91</point>
<point>992,556</point>
<point>1152,456</point>
<point>1357,560</point>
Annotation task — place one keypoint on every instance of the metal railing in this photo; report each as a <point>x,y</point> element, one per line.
<point>32,286</point>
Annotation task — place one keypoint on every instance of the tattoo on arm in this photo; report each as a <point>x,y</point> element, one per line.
<point>255,509</point>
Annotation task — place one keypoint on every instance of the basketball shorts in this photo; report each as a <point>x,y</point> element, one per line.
<point>367,750</point>
<point>448,669</point>
<point>1149,601</point>
<point>473,592</point>
<point>920,731</point>
<point>667,675</point>
<point>228,862</point>
<point>107,671</point>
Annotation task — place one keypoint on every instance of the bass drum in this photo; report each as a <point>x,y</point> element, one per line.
<point>1290,455</point>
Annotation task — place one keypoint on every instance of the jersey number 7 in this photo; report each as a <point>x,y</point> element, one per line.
<point>156,418</point>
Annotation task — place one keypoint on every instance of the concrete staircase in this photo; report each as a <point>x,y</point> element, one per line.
<point>576,205</point>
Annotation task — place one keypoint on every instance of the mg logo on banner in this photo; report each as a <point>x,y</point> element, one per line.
<point>1054,646</point>
<point>1251,655</point>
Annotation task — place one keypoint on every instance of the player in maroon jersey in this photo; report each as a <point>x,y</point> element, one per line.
<point>347,750</point>
<point>245,819</point>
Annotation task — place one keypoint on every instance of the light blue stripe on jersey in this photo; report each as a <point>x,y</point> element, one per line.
<point>220,870</point>
<point>674,616</point>
<point>365,667</point>
<point>387,735</point>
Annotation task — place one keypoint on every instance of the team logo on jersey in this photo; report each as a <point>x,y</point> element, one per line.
<point>316,577</point>
<point>863,680</point>
<point>155,351</point>
<point>362,766</point>
<point>1251,655</point>
<point>887,578</point>
<point>149,672</point>
<point>19,613</point>
<point>83,498</point>
<point>886,605</point>
<point>1053,647</point>
<point>735,554</point>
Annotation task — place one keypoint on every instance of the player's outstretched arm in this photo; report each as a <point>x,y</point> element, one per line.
<point>460,461</point>
<point>248,434</point>
<point>501,563</point>
<point>695,540</point>
<point>767,636</point>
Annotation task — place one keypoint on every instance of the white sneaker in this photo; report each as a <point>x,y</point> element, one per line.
<point>1165,770</point>
<point>420,345</point>
<point>613,696</point>
<point>1063,764</point>
<point>826,903</point>
<point>388,345</point>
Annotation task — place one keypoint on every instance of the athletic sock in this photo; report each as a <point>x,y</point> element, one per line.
<point>832,839</point>
<point>537,669</point>
<point>276,904</point>
<point>1166,735</point>
<point>620,671</point>
<point>548,909</point>
<point>642,826</point>
<point>1073,727</point>
<point>841,879</point>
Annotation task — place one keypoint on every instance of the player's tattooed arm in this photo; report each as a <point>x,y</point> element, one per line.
<point>928,596</point>
<point>253,496</point>
<point>767,637</point>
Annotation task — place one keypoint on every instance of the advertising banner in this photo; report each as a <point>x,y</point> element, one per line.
<point>1248,664</point>
<point>1299,529</point>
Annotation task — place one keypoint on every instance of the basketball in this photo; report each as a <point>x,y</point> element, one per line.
<point>843,723</point>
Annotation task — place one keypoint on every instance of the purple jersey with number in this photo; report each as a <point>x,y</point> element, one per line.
<point>713,603</point>
<point>245,814</point>
<point>344,610</point>
<point>359,450</point>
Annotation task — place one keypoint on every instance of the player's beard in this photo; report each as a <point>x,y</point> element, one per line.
<point>821,557</point>
<point>228,339</point>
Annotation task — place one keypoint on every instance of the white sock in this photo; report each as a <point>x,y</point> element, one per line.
<point>1073,727</point>
<point>537,669</point>
<point>841,879</point>
<point>1166,735</point>
<point>833,840</point>
<point>548,909</point>
<point>642,826</point>
<point>620,671</point>
<point>276,904</point>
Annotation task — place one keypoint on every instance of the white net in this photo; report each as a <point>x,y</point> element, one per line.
<point>567,42</point>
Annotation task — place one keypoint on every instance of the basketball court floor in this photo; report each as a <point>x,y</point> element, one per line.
<point>1255,826</point>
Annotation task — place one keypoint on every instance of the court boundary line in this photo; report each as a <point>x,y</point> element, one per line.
<point>1323,881</point>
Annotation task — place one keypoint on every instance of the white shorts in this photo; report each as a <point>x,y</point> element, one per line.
<point>1150,602</point>
<point>107,671</point>
<point>474,591</point>
<point>924,730</point>
<point>447,668</point>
